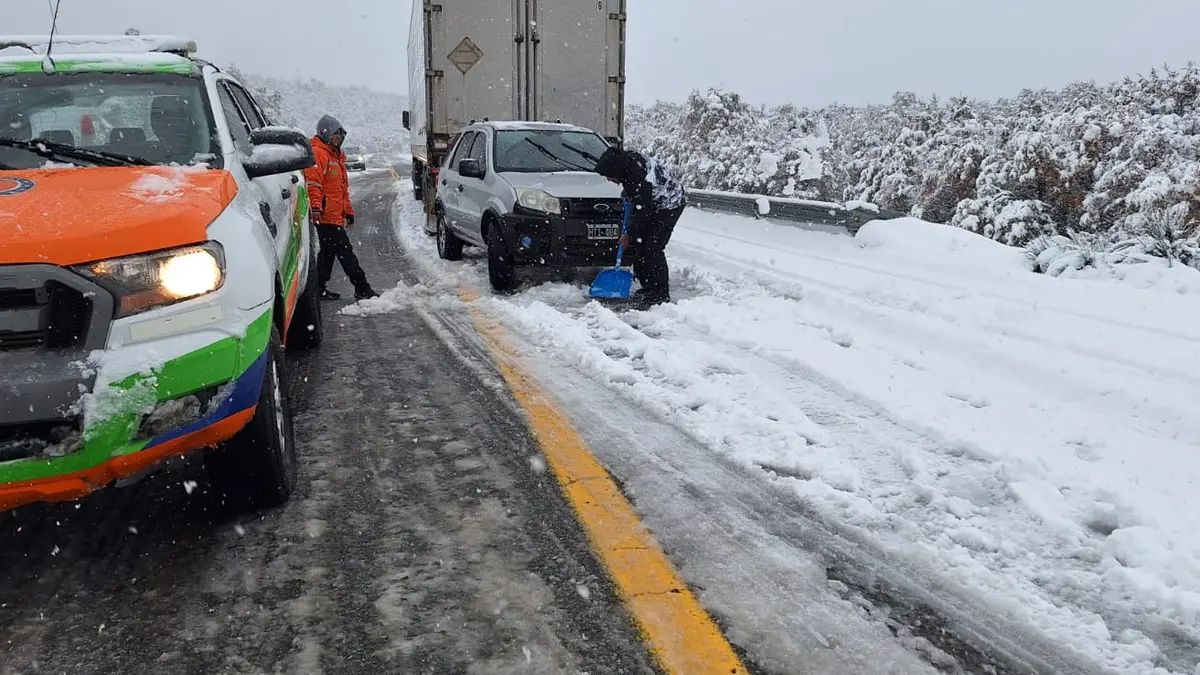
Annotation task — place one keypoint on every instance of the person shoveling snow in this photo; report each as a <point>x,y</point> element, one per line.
<point>658,202</point>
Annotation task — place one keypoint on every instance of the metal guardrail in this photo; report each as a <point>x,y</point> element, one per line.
<point>789,210</point>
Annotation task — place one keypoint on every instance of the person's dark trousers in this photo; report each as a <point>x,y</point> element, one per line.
<point>335,243</point>
<point>650,265</point>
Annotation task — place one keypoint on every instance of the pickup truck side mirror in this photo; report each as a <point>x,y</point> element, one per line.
<point>277,150</point>
<point>471,168</point>
<point>406,119</point>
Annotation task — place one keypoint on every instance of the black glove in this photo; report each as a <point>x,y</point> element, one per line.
<point>350,219</point>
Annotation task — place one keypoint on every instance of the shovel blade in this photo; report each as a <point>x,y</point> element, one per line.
<point>613,284</point>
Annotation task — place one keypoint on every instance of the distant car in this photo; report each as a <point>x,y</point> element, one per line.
<point>526,193</point>
<point>356,159</point>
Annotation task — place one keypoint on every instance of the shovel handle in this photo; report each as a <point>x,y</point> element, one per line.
<point>626,216</point>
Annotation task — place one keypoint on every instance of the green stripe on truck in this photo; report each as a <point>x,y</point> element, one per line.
<point>133,397</point>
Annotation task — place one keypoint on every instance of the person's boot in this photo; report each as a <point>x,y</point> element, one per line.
<point>649,299</point>
<point>327,294</point>
<point>364,293</point>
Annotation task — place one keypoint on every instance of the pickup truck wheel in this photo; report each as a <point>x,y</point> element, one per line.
<point>449,246</point>
<point>258,467</point>
<point>501,271</point>
<point>305,332</point>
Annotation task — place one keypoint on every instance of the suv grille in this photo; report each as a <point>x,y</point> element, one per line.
<point>600,209</point>
<point>55,316</point>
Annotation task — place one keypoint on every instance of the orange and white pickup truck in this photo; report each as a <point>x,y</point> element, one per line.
<point>155,258</point>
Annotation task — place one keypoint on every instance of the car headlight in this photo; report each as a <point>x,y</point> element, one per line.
<point>143,282</point>
<point>538,200</point>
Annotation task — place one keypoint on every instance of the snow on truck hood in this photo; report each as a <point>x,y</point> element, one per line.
<point>566,184</point>
<point>77,215</point>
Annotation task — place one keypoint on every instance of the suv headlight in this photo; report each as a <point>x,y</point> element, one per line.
<point>143,282</point>
<point>538,200</point>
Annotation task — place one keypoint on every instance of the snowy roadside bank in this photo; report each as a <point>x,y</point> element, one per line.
<point>1021,440</point>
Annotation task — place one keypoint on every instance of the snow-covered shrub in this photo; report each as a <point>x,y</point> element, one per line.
<point>1170,234</point>
<point>1056,254</point>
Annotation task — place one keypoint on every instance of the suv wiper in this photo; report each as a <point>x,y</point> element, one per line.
<point>545,151</point>
<point>52,150</point>
<point>582,153</point>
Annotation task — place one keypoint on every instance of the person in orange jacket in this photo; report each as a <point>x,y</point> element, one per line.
<point>331,211</point>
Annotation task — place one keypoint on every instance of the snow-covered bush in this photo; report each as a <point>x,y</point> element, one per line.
<point>1056,254</point>
<point>1168,233</point>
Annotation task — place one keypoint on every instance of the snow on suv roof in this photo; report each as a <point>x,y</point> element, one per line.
<point>533,126</point>
<point>97,53</point>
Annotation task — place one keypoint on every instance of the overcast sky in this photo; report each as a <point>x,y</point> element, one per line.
<point>771,51</point>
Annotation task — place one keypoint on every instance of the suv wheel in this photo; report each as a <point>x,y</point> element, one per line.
<point>501,271</point>
<point>449,246</point>
<point>258,466</point>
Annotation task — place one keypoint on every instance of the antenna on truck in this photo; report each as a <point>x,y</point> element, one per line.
<point>47,60</point>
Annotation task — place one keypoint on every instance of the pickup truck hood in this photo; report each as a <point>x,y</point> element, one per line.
<point>566,184</point>
<point>67,216</point>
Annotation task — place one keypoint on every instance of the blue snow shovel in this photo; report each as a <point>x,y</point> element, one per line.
<point>615,283</point>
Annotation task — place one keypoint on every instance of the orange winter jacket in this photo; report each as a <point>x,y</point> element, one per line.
<point>329,184</point>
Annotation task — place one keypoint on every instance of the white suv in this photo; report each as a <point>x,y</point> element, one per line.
<point>527,192</point>
<point>155,258</point>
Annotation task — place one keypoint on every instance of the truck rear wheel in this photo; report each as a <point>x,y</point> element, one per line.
<point>258,467</point>
<point>418,181</point>
<point>449,246</point>
<point>501,271</point>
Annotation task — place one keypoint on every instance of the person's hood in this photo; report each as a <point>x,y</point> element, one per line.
<point>78,215</point>
<point>614,164</point>
<point>566,184</point>
<point>326,127</point>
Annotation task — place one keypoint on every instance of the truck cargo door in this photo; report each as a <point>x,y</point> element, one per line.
<point>475,50</point>
<point>577,52</point>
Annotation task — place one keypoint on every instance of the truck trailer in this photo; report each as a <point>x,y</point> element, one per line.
<point>523,60</point>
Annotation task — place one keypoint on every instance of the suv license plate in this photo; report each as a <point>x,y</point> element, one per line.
<point>604,231</point>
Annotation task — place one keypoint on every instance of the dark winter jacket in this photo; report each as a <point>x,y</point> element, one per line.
<point>647,184</point>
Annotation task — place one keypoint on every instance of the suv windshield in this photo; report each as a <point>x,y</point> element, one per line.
<point>158,118</point>
<point>546,151</point>
<point>354,150</point>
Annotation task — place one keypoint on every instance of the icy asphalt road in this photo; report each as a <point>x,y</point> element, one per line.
<point>425,537</point>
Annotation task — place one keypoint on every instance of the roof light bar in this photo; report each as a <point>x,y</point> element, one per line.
<point>64,44</point>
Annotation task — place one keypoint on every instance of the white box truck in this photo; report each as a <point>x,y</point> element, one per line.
<point>524,60</point>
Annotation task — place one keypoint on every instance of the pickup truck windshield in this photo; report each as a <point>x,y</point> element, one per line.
<point>547,151</point>
<point>149,118</point>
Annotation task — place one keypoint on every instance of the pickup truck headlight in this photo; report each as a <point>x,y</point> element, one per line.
<point>143,282</point>
<point>538,200</point>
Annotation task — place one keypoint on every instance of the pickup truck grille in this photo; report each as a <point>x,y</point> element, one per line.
<point>43,439</point>
<point>48,314</point>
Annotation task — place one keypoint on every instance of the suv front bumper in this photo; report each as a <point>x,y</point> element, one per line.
<point>560,241</point>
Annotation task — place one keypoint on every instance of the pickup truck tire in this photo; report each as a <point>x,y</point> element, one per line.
<point>258,467</point>
<point>449,246</point>
<point>305,331</point>
<point>501,271</point>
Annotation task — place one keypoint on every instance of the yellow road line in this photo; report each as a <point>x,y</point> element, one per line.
<point>392,170</point>
<point>681,636</point>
